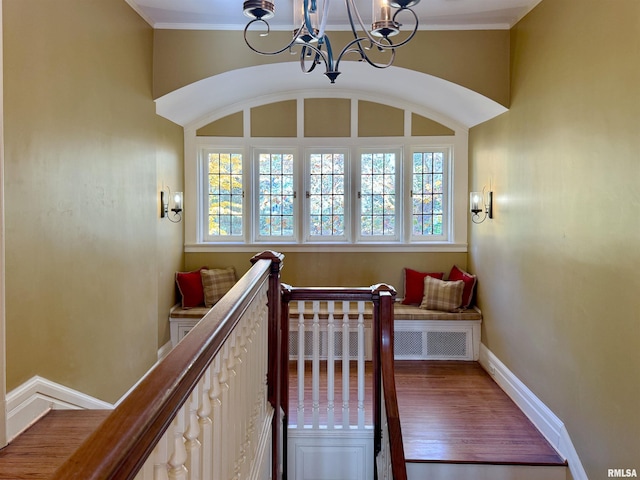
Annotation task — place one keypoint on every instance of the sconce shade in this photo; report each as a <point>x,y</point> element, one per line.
<point>476,202</point>
<point>177,202</point>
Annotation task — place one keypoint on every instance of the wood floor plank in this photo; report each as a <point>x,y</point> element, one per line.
<point>40,450</point>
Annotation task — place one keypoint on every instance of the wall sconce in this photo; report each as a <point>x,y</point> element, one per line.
<point>478,203</point>
<point>176,207</point>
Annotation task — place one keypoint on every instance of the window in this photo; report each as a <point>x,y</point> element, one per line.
<point>378,220</point>
<point>350,195</point>
<point>276,196</point>
<point>428,194</point>
<point>326,195</point>
<point>224,184</point>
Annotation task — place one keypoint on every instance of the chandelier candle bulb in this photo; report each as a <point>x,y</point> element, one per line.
<point>385,11</point>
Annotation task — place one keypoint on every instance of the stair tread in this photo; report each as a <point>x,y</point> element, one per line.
<point>38,451</point>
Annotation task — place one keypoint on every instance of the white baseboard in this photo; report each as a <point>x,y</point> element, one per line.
<point>540,415</point>
<point>37,396</point>
<point>34,398</point>
<point>164,350</point>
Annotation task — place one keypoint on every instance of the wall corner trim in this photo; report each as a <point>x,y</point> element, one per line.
<point>34,398</point>
<point>540,415</point>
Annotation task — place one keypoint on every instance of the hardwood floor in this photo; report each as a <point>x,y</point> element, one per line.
<point>450,411</point>
<point>40,450</point>
<point>455,412</point>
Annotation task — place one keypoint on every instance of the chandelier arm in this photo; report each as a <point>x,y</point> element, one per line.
<point>363,55</point>
<point>261,52</point>
<point>319,56</point>
<point>415,26</point>
<point>325,16</point>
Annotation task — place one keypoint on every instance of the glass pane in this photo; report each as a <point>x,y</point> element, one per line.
<point>275,202</point>
<point>428,182</point>
<point>378,195</point>
<point>326,195</point>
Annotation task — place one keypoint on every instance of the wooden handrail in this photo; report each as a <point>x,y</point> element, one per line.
<point>122,443</point>
<point>398,464</point>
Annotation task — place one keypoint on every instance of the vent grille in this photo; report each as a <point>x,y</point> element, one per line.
<point>441,345</point>
<point>407,344</point>
<point>447,344</point>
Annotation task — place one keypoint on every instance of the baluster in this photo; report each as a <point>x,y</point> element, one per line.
<point>345,365</point>
<point>361,365</point>
<point>224,419</point>
<point>330,365</point>
<point>216,415</point>
<point>301,354</point>
<point>160,455</point>
<point>239,400</point>
<point>146,472</point>
<point>177,460</point>
<point>206,425</point>
<point>191,434</point>
<point>315,366</point>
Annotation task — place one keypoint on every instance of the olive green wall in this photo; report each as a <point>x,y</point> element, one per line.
<point>478,60</point>
<point>89,263</point>
<point>337,269</point>
<point>558,264</point>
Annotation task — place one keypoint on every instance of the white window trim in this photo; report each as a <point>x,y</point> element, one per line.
<point>348,197</point>
<point>204,195</point>
<point>447,206</point>
<point>254,212</point>
<point>399,236</point>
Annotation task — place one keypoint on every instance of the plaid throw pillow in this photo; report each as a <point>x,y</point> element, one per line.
<point>441,295</point>
<point>216,283</point>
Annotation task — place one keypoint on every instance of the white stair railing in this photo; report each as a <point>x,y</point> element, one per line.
<point>320,319</point>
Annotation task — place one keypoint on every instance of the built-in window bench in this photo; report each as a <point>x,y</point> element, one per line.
<point>418,333</point>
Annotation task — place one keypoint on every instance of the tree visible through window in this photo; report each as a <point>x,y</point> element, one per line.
<point>276,195</point>
<point>225,194</point>
<point>353,195</point>
<point>428,193</point>
<point>327,194</point>
<point>377,194</point>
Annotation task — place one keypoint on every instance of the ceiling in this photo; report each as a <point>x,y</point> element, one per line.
<point>433,14</point>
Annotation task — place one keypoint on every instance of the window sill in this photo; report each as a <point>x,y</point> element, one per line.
<point>325,247</point>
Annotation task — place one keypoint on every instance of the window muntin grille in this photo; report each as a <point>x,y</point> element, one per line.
<point>225,194</point>
<point>276,195</point>
<point>378,195</point>
<point>427,193</point>
<point>327,195</point>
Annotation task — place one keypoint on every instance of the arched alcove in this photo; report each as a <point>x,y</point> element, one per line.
<point>197,104</point>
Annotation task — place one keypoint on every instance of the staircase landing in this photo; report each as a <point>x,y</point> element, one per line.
<point>40,450</point>
<point>454,413</point>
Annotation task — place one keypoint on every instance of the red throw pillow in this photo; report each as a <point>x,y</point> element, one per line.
<point>469,284</point>
<point>190,286</point>
<point>414,285</point>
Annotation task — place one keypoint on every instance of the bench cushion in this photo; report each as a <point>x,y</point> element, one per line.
<point>401,312</point>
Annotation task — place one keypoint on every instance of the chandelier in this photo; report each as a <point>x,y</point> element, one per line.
<point>314,44</point>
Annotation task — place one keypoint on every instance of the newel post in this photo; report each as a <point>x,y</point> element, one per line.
<point>383,296</point>
<point>275,373</point>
